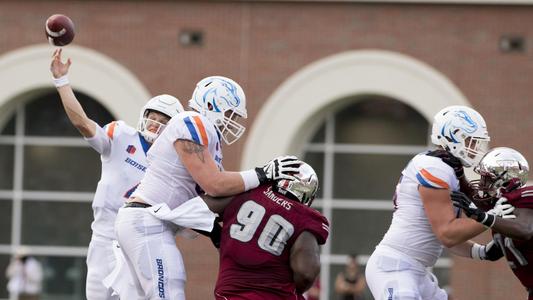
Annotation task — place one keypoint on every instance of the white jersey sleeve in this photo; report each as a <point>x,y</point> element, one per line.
<point>101,141</point>
<point>431,172</point>
<point>189,127</point>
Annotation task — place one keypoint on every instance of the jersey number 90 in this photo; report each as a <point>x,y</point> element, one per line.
<point>275,234</point>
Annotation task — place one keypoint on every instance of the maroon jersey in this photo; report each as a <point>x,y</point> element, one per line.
<point>519,254</point>
<point>260,227</point>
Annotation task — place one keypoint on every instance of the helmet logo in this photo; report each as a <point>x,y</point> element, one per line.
<point>232,99</point>
<point>466,124</point>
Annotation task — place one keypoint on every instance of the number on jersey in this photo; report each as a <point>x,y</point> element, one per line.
<point>275,234</point>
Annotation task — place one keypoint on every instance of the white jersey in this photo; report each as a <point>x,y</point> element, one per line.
<point>410,231</point>
<point>123,154</point>
<point>167,180</point>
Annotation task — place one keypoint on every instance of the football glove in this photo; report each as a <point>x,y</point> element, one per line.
<point>450,160</point>
<point>490,251</point>
<point>502,209</point>
<point>215,234</point>
<point>282,167</point>
<point>462,201</point>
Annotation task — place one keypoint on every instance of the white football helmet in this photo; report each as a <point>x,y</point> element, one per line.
<point>165,104</point>
<point>498,168</point>
<point>463,132</point>
<point>302,189</point>
<point>222,101</point>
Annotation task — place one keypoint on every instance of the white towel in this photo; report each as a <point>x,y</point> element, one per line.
<point>192,214</point>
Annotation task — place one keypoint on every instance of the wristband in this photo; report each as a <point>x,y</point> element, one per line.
<point>250,179</point>
<point>477,252</point>
<point>486,219</point>
<point>61,81</point>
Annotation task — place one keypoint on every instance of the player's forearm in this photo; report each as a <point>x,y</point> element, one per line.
<point>459,231</point>
<point>225,184</point>
<point>515,229</point>
<point>465,187</point>
<point>75,112</point>
<point>463,249</point>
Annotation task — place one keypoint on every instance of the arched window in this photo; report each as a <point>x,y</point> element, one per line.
<point>49,175</point>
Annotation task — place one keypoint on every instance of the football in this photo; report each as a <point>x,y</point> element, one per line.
<point>59,30</point>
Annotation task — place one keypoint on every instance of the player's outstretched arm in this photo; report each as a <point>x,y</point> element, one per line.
<point>502,218</point>
<point>520,228</point>
<point>203,169</point>
<point>450,230</point>
<point>72,106</point>
<point>305,261</point>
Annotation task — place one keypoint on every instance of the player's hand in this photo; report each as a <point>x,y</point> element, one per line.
<point>503,209</point>
<point>490,251</point>
<point>57,67</point>
<point>450,160</point>
<point>282,167</point>
<point>462,201</point>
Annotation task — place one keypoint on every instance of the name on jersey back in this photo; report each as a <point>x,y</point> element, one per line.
<point>278,200</point>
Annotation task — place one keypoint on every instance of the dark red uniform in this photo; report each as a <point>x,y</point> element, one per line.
<point>519,254</point>
<point>259,229</point>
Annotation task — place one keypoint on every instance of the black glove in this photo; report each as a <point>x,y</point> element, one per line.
<point>450,160</point>
<point>282,167</point>
<point>214,235</point>
<point>490,251</point>
<point>462,201</point>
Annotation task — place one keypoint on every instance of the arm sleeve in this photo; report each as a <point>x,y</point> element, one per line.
<point>101,141</point>
<point>316,224</point>
<point>436,174</point>
<point>189,127</point>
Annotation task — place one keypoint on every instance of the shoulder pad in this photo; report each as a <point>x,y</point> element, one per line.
<point>117,128</point>
<point>197,126</point>
<point>432,172</point>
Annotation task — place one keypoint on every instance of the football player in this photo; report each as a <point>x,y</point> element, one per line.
<point>424,220</point>
<point>269,241</point>
<point>184,161</point>
<point>504,172</point>
<point>123,152</point>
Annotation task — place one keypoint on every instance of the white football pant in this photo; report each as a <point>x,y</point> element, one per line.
<point>100,263</point>
<point>149,247</point>
<point>392,275</point>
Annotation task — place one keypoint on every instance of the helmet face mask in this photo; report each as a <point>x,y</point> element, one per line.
<point>303,189</point>
<point>223,102</point>
<point>502,167</point>
<point>461,131</point>
<point>155,113</point>
<point>153,119</point>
